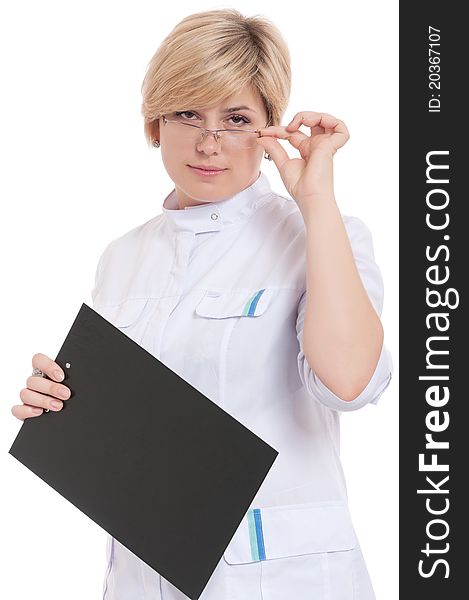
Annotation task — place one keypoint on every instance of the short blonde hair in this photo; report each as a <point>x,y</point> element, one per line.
<point>211,55</point>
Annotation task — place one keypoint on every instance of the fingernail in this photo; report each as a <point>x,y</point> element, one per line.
<point>56,404</point>
<point>58,375</point>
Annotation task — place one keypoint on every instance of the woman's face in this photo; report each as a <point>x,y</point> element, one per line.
<point>182,148</point>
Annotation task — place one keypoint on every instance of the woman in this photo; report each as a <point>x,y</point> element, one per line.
<point>269,305</point>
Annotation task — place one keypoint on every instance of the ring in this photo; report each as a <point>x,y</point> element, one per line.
<point>38,372</point>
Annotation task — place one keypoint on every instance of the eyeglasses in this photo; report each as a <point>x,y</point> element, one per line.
<point>239,139</point>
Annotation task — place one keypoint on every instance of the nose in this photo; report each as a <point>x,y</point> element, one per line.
<point>209,142</point>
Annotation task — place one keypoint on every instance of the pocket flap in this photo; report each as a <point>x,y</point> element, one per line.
<point>244,303</point>
<point>123,314</point>
<point>289,530</point>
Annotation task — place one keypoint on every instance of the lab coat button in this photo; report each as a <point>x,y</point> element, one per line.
<point>214,216</point>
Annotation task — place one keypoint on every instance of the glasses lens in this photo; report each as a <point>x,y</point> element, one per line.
<point>239,139</point>
<point>235,139</point>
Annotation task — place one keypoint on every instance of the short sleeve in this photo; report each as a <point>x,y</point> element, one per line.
<point>362,248</point>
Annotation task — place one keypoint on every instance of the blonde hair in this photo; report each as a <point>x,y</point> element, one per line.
<point>211,55</point>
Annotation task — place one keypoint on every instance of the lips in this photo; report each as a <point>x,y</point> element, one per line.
<point>206,168</point>
<point>204,173</point>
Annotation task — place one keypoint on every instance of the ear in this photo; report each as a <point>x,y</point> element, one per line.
<point>154,129</point>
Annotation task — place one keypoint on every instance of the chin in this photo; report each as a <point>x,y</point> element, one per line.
<point>199,194</point>
<point>208,191</point>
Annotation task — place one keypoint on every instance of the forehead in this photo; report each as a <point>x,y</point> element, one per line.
<point>247,96</point>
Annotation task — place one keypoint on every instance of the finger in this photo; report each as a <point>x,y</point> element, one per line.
<point>48,366</point>
<point>33,398</point>
<point>276,151</point>
<point>311,119</point>
<point>294,138</point>
<point>298,139</point>
<point>300,142</point>
<point>280,132</point>
<point>325,122</point>
<point>276,131</point>
<point>23,411</point>
<point>305,114</point>
<point>46,386</point>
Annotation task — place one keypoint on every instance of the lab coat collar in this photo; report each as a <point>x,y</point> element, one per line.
<point>214,216</point>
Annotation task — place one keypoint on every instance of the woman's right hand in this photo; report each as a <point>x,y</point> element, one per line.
<point>40,392</point>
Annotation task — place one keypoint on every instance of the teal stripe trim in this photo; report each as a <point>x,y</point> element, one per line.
<point>256,536</point>
<point>252,535</point>
<point>259,533</point>
<point>247,305</point>
<point>252,308</point>
<point>249,308</point>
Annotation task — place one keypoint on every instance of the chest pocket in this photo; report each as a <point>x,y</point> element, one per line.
<point>303,550</point>
<point>291,530</point>
<point>250,303</point>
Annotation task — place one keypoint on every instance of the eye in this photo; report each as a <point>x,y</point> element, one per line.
<point>243,121</point>
<point>184,112</point>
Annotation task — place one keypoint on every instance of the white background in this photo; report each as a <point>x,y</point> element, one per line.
<point>76,173</point>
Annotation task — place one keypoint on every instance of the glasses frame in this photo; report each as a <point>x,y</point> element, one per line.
<point>214,132</point>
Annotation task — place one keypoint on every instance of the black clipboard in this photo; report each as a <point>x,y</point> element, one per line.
<point>144,454</point>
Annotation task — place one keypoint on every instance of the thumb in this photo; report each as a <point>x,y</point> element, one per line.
<point>274,148</point>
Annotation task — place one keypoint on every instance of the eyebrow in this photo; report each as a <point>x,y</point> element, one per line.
<point>234,108</point>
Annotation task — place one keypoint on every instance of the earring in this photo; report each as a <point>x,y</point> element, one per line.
<point>267,156</point>
<point>156,143</point>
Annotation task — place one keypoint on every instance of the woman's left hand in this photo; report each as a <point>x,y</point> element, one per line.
<point>312,174</point>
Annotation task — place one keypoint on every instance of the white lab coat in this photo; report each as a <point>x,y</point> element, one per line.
<point>217,293</point>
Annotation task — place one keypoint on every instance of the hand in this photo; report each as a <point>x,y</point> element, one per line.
<point>312,174</point>
<point>40,392</point>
